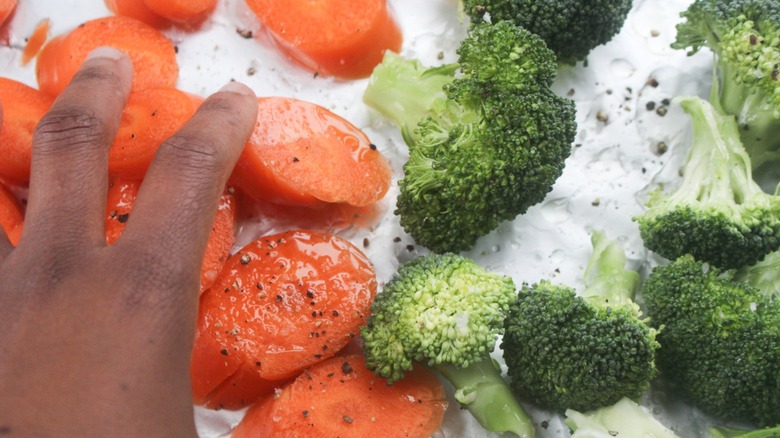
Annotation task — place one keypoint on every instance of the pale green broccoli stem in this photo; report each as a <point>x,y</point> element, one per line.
<point>606,279</point>
<point>717,170</point>
<point>756,114</point>
<point>623,419</point>
<point>480,388</point>
<point>404,90</point>
<point>764,275</point>
<point>727,432</point>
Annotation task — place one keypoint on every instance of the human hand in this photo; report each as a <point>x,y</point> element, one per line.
<point>96,339</point>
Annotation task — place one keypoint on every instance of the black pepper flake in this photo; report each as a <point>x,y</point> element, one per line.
<point>365,242</point>
<point>753,40</point>
<point>309,294</point>
<point>259,286</point>
<point>154,113</point>
<point>347,419</point>
<point>650,106</point>
<point>346,368</point>
<point>774,74</point>
<point>223,352</point>
<point>305,414</point>
<point>245,33</point>
<point>653,82</point>
<point>396,239</point>
<point>324,348</point>
<point>313,303</point>
<point>372,146</point>
<point>113,214</point>
<point>279,298</point>
<point>175,49</point>
<point>295,159</point>
<point>257,364</point>
<point>335,313</point>
<point>314,314</point>
<point>410,248</point>
<point>316,74</point>
<point>545,424</point>
<point>132,136</point>
<point>122,218</point>
<point>317,356</point>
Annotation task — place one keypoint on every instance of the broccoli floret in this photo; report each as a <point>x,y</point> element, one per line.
<point>727,432</point>
<point>624,419</point>
<point>571,28</point>
<point>487,136</point>
<point>445,311</point>
<point>720,338</point>
<point>568,351</point>
<point>718,214</point>
<point>744,35</point>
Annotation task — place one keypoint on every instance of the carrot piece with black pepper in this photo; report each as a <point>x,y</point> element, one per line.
<point>337,38</point>
<point>121,198</point>
<point>23,107</point>
<point>281,303</point>
<point>149,118</point>
<point>340,397</point>
<point>152,53</point>
<point>11,215</point>
<point>301,153</point>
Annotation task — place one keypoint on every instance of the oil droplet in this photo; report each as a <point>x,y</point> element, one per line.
<point>556,211</point>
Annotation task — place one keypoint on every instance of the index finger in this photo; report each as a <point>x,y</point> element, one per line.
<point>178,199</point>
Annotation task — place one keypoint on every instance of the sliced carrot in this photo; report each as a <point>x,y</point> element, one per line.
<point>281,303</point>
<point>6,8</point>
<point>153,55</point>
<point>121,198</point>
<point>23,108</point>
<point>136,9</point>
<point>331,37</point>
<point>303,154</point>
<point>150,117</point>
<point>182,11</point>
<point>341,398</point>
<point>36,41</point>
<point>11,215</point>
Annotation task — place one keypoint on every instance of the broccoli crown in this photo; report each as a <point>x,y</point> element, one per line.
<point>437,309</point>
<point>720,337</point>
<point>570,28</point>
<point>486,140</point>
<point>569,351</point>
<point>745,37</point>
<point>718,214</point>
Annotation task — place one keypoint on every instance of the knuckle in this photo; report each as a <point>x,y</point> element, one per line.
<point>69,127</point>
<point>192,151</point>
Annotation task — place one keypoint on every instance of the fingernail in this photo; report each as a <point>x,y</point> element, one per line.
<point>106,52</point>
<point>238,87</point>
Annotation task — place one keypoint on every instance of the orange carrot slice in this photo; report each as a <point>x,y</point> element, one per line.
<point>150,117</point>
<point>23,108</point>
<point>341,398</point>
<point>331,37</point>
<point>121,198</point>
<point>11,215</point>
<point>136,9</point>
<point>36,41</point>
<point>182,11</point>
<point>280,304</point>
<point>153,55</point>
<point>303,154</point>
<point>6,8</point>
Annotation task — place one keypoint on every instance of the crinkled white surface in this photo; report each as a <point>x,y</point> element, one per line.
<point>614,163</point>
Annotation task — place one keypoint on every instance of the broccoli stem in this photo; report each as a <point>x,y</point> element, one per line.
<point>481,389</point>
<point>756,116</point>
<point>404,90</point>
<point>607,281</point>
<point>726,432</point>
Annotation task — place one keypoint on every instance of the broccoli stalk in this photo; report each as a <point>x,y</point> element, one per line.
<point>744,36</point>
<point>487,136</point>
<point>720,337</point>
<point>570,28</point>
<point>565,351</point>
<point>446,312</point>
<point>625,419</point>
<point>727,432</point>
<point>719,214</point>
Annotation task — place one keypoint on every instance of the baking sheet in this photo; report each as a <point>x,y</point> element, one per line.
<point>629,141</point>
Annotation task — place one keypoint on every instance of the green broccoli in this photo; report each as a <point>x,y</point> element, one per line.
<point>727,432</point>
<point>718,214</point>
<point>445,311</point>
<point>720,337</point>
<point>744,35</point>
<point>487,136</point>
<point>571,28</point>
<point>624,419</point>
<point>568,351</point>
